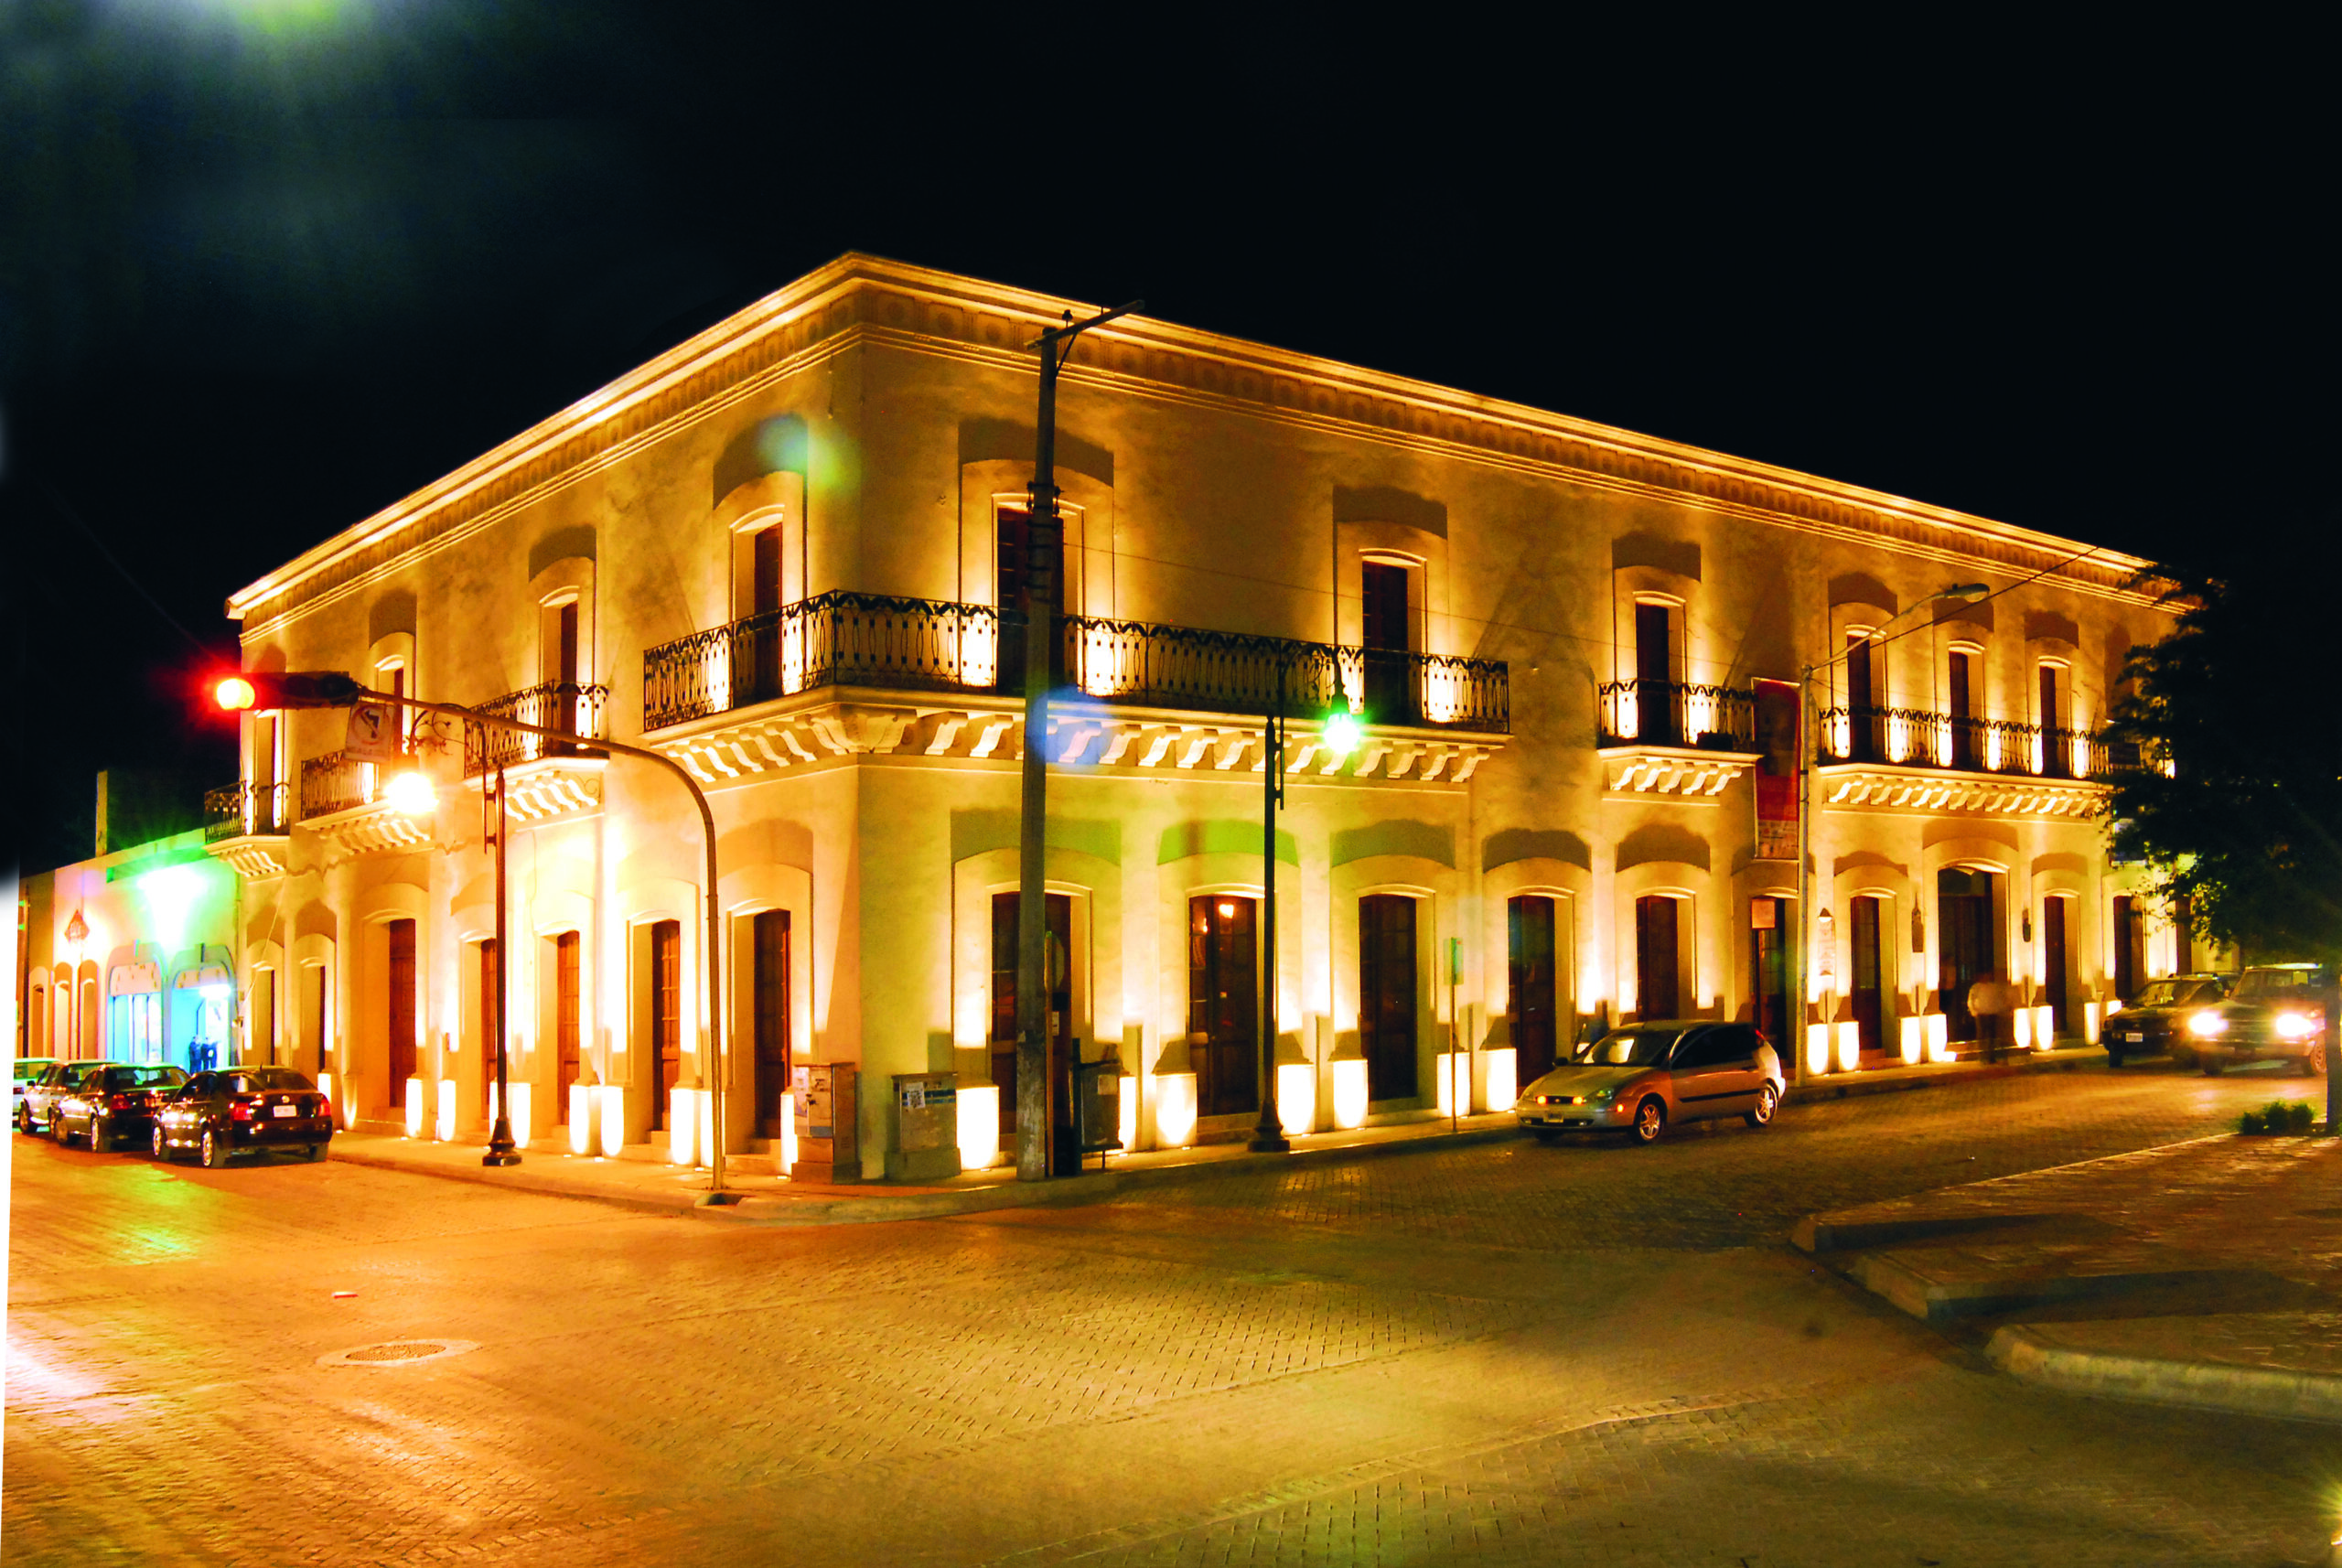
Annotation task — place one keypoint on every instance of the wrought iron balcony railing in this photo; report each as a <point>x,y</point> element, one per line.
<point>340,782</point>
<point>867,640</point>
<point>558,704</point>
<point>1670,713</point>
<point>243,811</point>
<point>1913,738</point>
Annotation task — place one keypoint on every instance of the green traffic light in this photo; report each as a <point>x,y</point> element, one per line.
<point>1341,731</point>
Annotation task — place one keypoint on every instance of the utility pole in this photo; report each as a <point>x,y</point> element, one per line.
<point>1037,601</point>
<point>502,1150</point>
<point>1268,1132</point>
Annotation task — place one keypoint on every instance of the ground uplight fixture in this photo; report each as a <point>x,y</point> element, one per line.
<point>411,794</point>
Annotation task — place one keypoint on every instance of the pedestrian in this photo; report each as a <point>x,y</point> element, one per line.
<point>1988,1001</point>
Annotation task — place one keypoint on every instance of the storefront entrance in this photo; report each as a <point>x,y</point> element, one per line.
<point>1532,986</point>
<point>1057,920</point>
<point>1224,1004</point>
<point>1386,995</point>
<point>1965,947</point>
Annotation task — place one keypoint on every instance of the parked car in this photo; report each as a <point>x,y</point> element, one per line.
<point>27,1071</point>
<point>1640,1079</point>
<point>111,1103</point>
<point>2278,1012</point>
<point>2154,1021</point>
<point>233,1110</point>
<point>37,1107</point>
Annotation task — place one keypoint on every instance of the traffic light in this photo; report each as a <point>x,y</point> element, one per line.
<point>259,690</point>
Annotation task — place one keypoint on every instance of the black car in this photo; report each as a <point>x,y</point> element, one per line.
<point>233,1110</point>
<point>112,1102</point>
<point>2154,1022</point>
<point>2278,1012</point>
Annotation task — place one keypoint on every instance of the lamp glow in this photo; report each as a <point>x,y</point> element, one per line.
<point>234,694</point>
<point>410,794</point>
<point>1340,734</point>
<point>2293,1027</point>
<point>2207,1025</point>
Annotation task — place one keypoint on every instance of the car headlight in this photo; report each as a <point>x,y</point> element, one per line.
<point>2204,1025</point>
<point>1604,1096</point>
<point>2294,1027</point>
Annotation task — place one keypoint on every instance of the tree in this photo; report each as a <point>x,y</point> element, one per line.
<point>2237,802</point>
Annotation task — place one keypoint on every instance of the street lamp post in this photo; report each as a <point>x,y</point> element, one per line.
<point>1809,758</point>
<point>714,923</point>
<point>1043,536</point>
<point>502,1150</point>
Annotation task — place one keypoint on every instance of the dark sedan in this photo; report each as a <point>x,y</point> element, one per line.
<point>235,1110</point>
<point>2154,1021</point>
<point>110,1104</point>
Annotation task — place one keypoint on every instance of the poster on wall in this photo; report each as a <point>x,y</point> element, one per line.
<point>1777,775</point>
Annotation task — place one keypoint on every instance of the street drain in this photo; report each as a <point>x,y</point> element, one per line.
<point>397,1353</point>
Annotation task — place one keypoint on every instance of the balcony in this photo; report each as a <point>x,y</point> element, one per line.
<point>1912,759</point>
<point>1117,681</point>
<point>246,826</point>
<point>341,802</point>
<point>1667,737</point>
<point>543,777</point>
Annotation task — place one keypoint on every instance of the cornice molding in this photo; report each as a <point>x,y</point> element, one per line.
<point>859,298</point>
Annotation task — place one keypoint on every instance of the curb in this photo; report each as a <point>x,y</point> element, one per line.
<point>520,1179</point>
<point>2269,1391</point>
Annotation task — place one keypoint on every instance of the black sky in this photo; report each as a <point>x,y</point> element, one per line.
<point>266,265</point>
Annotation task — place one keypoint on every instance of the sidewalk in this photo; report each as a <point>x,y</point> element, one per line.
<point>2207,1273</point>
<point>773,1200</point>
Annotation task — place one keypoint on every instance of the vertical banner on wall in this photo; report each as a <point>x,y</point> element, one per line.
<point>1778,792</point>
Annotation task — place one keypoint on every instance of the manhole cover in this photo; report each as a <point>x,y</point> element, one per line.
<point>397,1353</point>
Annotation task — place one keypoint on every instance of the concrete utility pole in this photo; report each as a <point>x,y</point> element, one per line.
<point>1037,601</point>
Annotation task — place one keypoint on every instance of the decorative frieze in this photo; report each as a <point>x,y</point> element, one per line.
<point>251,855</point>
<point>1859,786</point>
<point>1679,770</point>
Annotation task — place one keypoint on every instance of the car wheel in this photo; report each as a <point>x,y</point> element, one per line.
<point>2208,1066</point>
<point>101,1135</point>
<point>56,1128</point>
<point>215,1152</point>
<point>2113,1057</point>
<point>2313,1065</point>
<point>1650,1120</point>
<point>1760,1114</point>
<point>24,1118</point>
<point>313,1153</point>
<point>162,1148</point>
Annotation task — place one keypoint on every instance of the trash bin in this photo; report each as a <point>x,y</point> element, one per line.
<point>1098,1106</point>
<point>827,1125</point>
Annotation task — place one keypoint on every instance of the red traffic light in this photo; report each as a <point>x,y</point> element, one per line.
<point>259,690</point>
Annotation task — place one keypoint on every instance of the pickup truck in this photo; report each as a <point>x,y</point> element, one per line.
<point>2277,1012</point>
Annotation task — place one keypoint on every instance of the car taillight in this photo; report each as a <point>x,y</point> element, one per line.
<point>122,1102</point>
<point>320,1106</point>
<point>242,1110</point>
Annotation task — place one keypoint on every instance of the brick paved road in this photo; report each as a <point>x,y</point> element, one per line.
<point>1502,1353</point>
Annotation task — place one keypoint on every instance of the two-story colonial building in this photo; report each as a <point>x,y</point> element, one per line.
<point>779,554</point>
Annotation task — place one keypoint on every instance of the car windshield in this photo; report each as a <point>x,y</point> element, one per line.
<point>2164,993</point>
<point>29,1069</point>
<point>121,1077</point>
<point>263,1080</point>
<point>2271,984</point>
<point>1628,1048</point>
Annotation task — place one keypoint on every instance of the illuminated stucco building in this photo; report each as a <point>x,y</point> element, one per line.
<point>129,955</point>
<point>777,554</point>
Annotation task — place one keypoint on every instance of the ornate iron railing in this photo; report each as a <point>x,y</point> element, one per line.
<point>557,704</point>
<point>241,810</point>
<point>1671,713</point>
<point>337,782</point>
<point>867,640</point>
<point>1914,738</point>
<point>849,640</point>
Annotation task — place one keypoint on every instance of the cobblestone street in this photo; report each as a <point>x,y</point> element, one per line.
<point>1502,1353</point>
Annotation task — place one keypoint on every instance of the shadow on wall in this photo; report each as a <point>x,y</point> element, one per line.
<point>999,440</point>
<point>1535,843</point>
<point>1425,841</point>
<point>1662,842</point>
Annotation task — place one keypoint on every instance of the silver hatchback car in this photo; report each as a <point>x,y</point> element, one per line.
<point>1639,1078</point>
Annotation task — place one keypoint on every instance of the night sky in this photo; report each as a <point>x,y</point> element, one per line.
<point>267,266</point>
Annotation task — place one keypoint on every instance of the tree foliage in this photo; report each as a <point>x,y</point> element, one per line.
<point>2238,805</point>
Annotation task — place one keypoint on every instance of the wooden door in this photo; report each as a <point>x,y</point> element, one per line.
<point>666,1016</point>
<point>1532,984</point>
<point>1864,984</point>
<point>1387,633</point>
<point>1657,958</point>
<point>491,1028</point>
<point>1861,718</point>
<point>769,945</point>
<point>1768,978</point>
<point>1056,923</point>
<point>1657,702</point>
<point>400,1063</point>
<point>1963,723</point>
<point>1014,562</point>
<point>1386,995</point>
<point>2128,947</point>
<point>763,604</point>
<point>1965,937</point>
<point>1224,1004</point>
<point>566,1032</point>
<point>313,977</point>
<point>2053,962</point>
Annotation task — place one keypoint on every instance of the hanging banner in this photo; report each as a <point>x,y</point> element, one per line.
<point>1778,786</point>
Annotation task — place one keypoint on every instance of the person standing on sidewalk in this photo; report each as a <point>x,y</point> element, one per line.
<point>1988,999</point>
